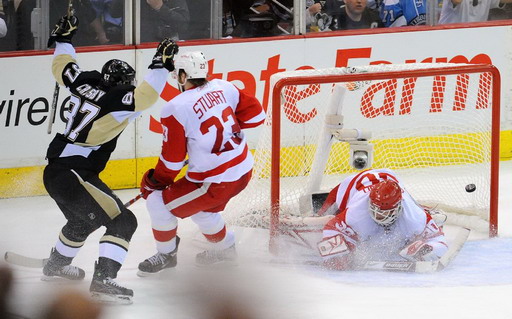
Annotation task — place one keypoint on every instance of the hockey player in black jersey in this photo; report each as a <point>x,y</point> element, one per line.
<point>101,106</point>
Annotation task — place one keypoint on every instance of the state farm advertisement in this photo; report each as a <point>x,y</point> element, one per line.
<point>27,84</point>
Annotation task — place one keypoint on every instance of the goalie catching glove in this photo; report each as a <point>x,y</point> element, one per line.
<point>419,251</point>
<point>64,30</point>
<point>148,184</point>
<point>164,56</point>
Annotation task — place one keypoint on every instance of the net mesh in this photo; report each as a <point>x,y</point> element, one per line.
<point>433,131</point>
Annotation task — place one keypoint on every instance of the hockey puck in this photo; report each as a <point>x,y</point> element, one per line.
<point>470,188</point>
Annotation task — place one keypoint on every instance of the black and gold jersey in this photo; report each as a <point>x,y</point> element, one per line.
<point>97,114</point>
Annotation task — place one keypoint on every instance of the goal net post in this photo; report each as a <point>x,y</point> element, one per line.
<point>435,124</point>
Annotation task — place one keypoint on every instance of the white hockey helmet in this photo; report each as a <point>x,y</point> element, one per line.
<point>193,63</point>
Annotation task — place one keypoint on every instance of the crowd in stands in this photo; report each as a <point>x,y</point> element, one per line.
<point>102,21</point>
<point>266,17</point>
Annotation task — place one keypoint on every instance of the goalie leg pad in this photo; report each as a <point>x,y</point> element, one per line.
<point>418,251</point>
<point>332,246</point>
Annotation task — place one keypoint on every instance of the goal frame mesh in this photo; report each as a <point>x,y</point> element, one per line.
<point>383,75</point>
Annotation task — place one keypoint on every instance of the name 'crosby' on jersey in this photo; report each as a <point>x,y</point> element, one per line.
<point>97,116</point>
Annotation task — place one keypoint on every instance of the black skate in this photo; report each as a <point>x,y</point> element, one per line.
<point>225,257</point>
<point>59,268</point>
<point>104,289</point>
<point>159,262</point>
<point>108,291</point>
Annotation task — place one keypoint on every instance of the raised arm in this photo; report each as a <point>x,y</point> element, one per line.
<point>147,93</point>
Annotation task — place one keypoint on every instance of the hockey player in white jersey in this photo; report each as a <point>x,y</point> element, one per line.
<point>376,219</point>
<point>204,122</point>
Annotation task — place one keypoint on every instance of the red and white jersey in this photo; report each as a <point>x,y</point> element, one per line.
<point>357,226</point>
<point>205,123</point>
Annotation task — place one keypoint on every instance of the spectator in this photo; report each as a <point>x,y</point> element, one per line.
<point>199,24</point>
<point>327,18</point>
<point>108,24</point>
<point>163,18</point>
<point>502,13</point>
<point>283,10</point>
<point>8,15</point>
<point>228,18</point>
<point>357,15</point>
<point>374,4</point>
<point>263,18</point>
<point>3,26</point>
<point>315,18</point>
<point>84,11</point>
<point>397,13</point>
<point>7,34</point>
<point>455,11</point>
<point>24,37</point>
<point>240,8</point>
<point>334,8</point>
<point>254,19</point>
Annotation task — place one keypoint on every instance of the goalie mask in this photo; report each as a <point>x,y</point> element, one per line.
<point>117,72</point>
<point>385,202</point>
<point>194,64</point>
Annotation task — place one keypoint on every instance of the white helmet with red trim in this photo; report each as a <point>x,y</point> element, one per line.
<point>193,63</point>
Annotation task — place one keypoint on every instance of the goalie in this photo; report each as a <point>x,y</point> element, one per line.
<point>376,219</point>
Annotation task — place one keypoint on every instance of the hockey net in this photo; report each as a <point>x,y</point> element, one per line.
<point>435,125</point>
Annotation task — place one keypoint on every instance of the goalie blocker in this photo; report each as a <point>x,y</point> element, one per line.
<point>333,246</point>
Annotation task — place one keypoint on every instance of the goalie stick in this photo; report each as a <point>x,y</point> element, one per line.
<point>30,262</point>
<point>421,266</point>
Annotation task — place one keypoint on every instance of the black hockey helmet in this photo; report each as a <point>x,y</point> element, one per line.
<point>117,72</point>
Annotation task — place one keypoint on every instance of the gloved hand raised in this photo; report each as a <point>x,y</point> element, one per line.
<point>64,30</point>
<point>164,56</point>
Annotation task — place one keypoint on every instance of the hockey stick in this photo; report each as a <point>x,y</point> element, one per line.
<point>53,109</point>
<point>55,99</point>
<point>421,266</point>
<point>25,261</point>
<point>133,200</point>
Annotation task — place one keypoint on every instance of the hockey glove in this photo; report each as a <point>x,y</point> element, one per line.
<point>332,246</point>
<point>63,30</point>
<point>148,184</point>
<point>418,251</point>
<point>164,56</point>
<point>335,253</point>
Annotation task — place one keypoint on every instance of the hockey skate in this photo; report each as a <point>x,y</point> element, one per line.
<point>159,262</point>
<point>104,289</point>
<point>59,268</point>
<point>225,257</point>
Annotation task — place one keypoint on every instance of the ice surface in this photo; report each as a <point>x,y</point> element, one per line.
<point>477,284</point>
